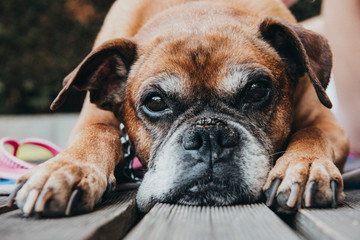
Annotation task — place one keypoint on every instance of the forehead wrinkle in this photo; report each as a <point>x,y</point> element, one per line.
<point>198,62</point>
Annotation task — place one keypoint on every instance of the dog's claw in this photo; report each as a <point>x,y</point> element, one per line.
<point>74,199</point>
<point>334,189</point>
<point>310,193</point>
<point>30,202</point>
<point>108,190</point>
<point>272,192</point>
<point>13,193</point>
<point>295,191</point>
<point>44,196</point>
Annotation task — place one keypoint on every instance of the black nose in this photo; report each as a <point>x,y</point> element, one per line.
<point>212,138</point>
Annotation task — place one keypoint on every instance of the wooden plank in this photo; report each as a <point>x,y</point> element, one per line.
<point>352,198</point>
<point>3,205</point>
<point>110,220</point>
<point>3,200</point>
<point>167,221</point>
<point>5,190</point>
<point>340,223</point>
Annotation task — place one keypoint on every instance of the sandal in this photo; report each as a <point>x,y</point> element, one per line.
<point>11,166</point>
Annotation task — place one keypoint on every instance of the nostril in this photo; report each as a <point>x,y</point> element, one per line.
<point>228,138</point>
<point>192,140</point>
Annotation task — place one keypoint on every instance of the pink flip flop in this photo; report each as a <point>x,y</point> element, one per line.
<point>12,167</point>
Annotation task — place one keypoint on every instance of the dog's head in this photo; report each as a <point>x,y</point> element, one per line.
<point>206,108</point>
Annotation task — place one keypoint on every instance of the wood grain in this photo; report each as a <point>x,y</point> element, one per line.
<point>341,223</point>
<point>3,205</point>
<point>254,221</point>
<point>113,218</point>
<point>110,220</point>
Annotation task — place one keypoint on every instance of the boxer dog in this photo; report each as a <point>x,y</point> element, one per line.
<point>224,103</point>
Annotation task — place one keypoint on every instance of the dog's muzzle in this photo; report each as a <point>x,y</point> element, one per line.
<point>205,162</point>
<point>210,140</point>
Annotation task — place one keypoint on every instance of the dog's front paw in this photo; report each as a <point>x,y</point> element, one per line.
<point>61,187</point>
<point>308,182</point>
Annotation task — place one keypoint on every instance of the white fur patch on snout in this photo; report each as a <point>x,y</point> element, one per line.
<point>169,171</point>
<point>256,162</point>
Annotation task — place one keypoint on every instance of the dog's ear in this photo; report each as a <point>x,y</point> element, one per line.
<point>103,73</point>
<point>303,51</point>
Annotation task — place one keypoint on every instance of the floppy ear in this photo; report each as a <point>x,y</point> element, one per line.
<point>303,51</point>
<point>103,73</point>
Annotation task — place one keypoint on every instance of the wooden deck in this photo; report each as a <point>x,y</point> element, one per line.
<point>116,218</point>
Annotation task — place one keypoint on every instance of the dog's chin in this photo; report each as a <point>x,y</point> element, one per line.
<point>213,193</point>
<point>201,193</point>
<point>207,195</point>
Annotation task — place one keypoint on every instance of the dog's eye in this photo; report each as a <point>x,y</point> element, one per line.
<point>257,92</point>
<point>155,104</point>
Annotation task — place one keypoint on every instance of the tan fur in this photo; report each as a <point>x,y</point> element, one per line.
<point>94,146</point>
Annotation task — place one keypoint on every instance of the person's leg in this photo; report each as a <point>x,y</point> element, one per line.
<point>342,28</point>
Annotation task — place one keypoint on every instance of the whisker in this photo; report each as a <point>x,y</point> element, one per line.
<point>277,153</point>
<point>281,152</point>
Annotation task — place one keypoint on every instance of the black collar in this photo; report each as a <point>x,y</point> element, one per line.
<point>128,158</point>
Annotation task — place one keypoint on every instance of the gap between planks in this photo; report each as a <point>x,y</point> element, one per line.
<point>341,223</point>
<point>113,218</point>
<point>3,205</point>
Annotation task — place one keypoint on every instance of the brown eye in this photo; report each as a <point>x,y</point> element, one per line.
<point>155,104</point>
<point>257,92</point>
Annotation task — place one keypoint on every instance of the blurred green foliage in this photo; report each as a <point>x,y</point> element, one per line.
<point>42,41</point>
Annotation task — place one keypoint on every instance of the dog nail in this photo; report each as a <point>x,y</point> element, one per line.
<point>44,196</point>
<point>310,194</point>
<point>334,188</point>
<point>108,190</point>
<point>73,201</point>
<point>295,190</point>
<point>272,192</point>
<point>30,202</point>
<point>110,187</point>
<point>13,193</point>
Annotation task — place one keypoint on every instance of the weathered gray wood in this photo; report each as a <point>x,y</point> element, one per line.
<point>110,220</point>
<point>352,198</point>
<point>3,200</point>
<point>341,223</point>
<point>54,127</point>
<point>167,221</point>
<point>3,205</point>
<point>5,190</point>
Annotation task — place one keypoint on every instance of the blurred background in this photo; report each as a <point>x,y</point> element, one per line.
<point>42,41</point>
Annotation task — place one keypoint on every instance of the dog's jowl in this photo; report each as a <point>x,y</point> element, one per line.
<point>224,103</point>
